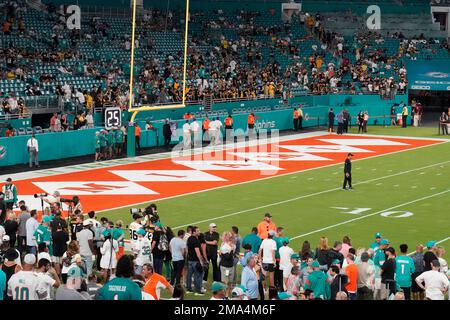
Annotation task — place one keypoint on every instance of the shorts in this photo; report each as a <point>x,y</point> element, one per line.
<point>57,260</point>
<point>268,267</point>
<point>102,149</point>
<point>118,145</point>
<point>226,274</point>
<point>97,150</point>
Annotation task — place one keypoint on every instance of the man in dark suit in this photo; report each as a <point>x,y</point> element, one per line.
<point>348,172</point>
<point>167,133</point>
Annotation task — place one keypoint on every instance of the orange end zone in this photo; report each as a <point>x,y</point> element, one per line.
<point>132,184</point>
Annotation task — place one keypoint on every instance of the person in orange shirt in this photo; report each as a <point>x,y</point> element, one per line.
<point>352,273</point>
<point>137,134</point>
<point>229,129</point>
<point>251,125</point>
<point>265,226</point>
<point>154,282</point>
<point>295,116</point>
<point>205,127</point>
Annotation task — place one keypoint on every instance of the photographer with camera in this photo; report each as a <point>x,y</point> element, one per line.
<point>9,195</point>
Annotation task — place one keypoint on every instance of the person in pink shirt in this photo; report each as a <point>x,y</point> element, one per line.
<point>346,245</point>
<point>53,122</point>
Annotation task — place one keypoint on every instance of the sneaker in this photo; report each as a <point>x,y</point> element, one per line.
<point>189,291</point>
<point>203,290</point>
<point>199,294</point>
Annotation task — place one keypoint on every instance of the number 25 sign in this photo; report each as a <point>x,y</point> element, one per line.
<point>113,118</point>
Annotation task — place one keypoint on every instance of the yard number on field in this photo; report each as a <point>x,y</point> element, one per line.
<point>388,214</point>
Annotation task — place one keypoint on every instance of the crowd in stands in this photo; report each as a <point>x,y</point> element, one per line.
<point>83,258</point>
<point>230,56</point>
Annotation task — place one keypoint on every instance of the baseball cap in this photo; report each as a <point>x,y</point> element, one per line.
<point>431,244</point>
<point>87,223</point>
<point>286,239</point>
<point>29,259</point>
<point>272,233</point>
<point>11,254</point>
<point>377,235</point>
<point>336,262</point>
<point>295,256</point>
<point>268,215</point>
<point>384,241</point>
<point>9,180</point>
<point>238,291</point>
<point>142,232</point>
<point>315,264</point>
<point>284,296</point>
<point>217,286</point>
<point>46,219</point>
<point>5,238</point>
<point>212,225</point>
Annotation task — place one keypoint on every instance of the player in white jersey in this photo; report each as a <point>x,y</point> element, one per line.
<point>134,227</point>
<point>142,250</point>
<point>24,284</point>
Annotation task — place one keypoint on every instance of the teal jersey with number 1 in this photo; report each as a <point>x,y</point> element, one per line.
<point>120,289</point>
<point>404,268</point>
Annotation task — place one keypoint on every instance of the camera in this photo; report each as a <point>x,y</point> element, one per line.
<point>136,210</point>
<point>40,195</point>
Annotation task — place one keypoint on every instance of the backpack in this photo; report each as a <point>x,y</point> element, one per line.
<point>163,244</point>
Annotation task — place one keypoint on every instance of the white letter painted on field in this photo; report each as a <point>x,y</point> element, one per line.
<point>374,21</point>
<point>74,20</point>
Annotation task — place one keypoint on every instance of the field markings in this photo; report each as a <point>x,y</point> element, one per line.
<point>285,174</point>
<point>307,196</point>
<point>369,215</point>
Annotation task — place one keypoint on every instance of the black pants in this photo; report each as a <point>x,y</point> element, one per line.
<point>300,123</point>
<point>138,143</point>
<point>278,277</point>
<point>261,290</point>
<point>345,126</point>
<point>295,124</point>
<point>177,271</point>
<point>215,269</point>
<point>340,128</point>
<point>444,129</point>
<point>364,293</point>
<point>404,124</point>
<point>361,127</point>
<point>167,140</point>
<point>407,292</point>
<point>22,243</point>
<point>347,180</point>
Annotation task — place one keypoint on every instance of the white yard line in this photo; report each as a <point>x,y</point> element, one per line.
<point>307,196</point>
<point>369,215</point>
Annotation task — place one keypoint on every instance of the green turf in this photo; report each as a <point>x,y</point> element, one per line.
<point>395,182</point>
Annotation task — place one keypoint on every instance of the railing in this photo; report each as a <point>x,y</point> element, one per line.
<point>42,102</point>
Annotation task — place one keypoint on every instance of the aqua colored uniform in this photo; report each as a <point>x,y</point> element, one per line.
<point>116,234</point>
<point>103,141</point>
<point>253,240</point>
<point>378,260</point>
<point>120,289</point>
<point>374,245</point>
<point>317,282</point>
<point>43,235</point>
<point>111,138</point>
<point>97,142</point>
<point>404,268</point>
<point>119,137</point>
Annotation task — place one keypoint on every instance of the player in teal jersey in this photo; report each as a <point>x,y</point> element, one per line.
<point>122,286</point>
<point>103,143</point>
<point>111,137</point>
<point>318,282</point>
<point>119,141</point>
<point>97,146</point>
<point>43,235</point>
<point>378,260</point>
<point>374,245</point>
<point>404,270</point>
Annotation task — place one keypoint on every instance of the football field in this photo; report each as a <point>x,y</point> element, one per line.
<point>401,188</point>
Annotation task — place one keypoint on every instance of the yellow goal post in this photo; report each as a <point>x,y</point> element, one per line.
<point>156,107</point>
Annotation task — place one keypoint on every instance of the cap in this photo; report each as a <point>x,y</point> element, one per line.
<point>238,291</point>
<point>5,238</point>
<point>9,180</point>
<point>431,244</point>
<point>336,262</point>
<point>295,256</point>
<point>217,286</point>
<point>384,241</point>
<point>268,215</point>
<point>87,223</point>
<point>272,233</point>
<point>46,219</point>
<point>315,264</point>
<point>142,232</point>
<point>11,254</point>
<point>350,154</point>
<point>212,225</point>
<point>391,250</point>
<point>377,235</point>
<point>75,272</point>
<point>286,240</point>
<point>284,296</point>
<point>29,259</point>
